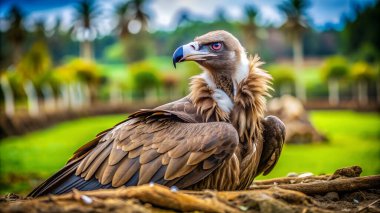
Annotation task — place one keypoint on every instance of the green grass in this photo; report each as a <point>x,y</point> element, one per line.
<point>354,140</point>
<point>39,154</point>
<point>311,75</point>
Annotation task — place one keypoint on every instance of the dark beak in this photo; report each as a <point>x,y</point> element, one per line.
<point>177,56</point>
<point>191,52</point>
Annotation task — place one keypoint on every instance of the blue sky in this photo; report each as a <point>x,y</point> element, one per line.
<point>163,12</point>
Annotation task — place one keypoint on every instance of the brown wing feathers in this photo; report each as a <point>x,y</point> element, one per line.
<point>172,145</point>
<point>178,146</point>
<point>151,146</point>
<point>274,137</point>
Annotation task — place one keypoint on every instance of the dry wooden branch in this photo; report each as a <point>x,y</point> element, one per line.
<point>154,194</point>
<point>337,185</point>
<point>347,172</point>
<point>266,197</point>
<point>368,206</point>
<point>290,180</point>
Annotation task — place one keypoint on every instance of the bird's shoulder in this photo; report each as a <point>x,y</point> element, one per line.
<point>182,109</point>
<point>165,145</point>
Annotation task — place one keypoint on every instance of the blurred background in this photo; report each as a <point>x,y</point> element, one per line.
<point>70,69</point>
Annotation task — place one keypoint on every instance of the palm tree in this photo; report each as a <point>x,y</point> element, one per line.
<point>363,74</point>
<point>184,17</point>
<point>334,70</point>
<point>221,15</point>
<point>16,36</point>
<point>132,25</point>
<point>46,88</point>
<point>16,33</point>
<point>9,103</point>
<point>130,13</point>
<point>40,30</point>
<point>250,28</point>
<point>57,40</point>
<point>85,27</point>
<point>139,14</point>
<point>57,25</point>
<point>34,67</point>
<point>124,17</point>
<point>295,25</point>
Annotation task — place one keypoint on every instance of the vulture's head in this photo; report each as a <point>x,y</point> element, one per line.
<point>220,55</point>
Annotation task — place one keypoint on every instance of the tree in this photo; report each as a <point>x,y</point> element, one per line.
<point>131,18</point>
<point>170,82</point>
<point>9,105</point>
<point>295,25</point>
<point>44,84</point>
<point>221,15</point>
<point>283,79</point>
<point>40,29</point>
<point>362,74</point>
<point>123,18</point>
<point>16,33</point>
<point>359,32</point>
<point>57,41</point>
<point>249,27</point>
<point>145,79</point>
<point>184,17</point>
<point>333,71</point>
<point>132,24</point>
<point>36,61</point>
<point>377,79</point>
<point>139,13</point>
<point>79,80</point>
<point>85,27</point>
<point>33,68</point>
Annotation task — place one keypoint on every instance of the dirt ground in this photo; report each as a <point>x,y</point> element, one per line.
<point>343,191</point>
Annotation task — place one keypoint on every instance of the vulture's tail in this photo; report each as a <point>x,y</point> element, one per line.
<point>65,180</point>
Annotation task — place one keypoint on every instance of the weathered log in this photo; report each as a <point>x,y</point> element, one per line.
<point>280,198</point>
<point>154,194</point>
<point>152,198</point>
<point>290,180</point>
<point>336,185</point>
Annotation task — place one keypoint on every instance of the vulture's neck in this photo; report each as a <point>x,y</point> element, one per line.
<point>217,96</point>
<point>244,107</point>
<point>249,109</point>
<point>224,83</point>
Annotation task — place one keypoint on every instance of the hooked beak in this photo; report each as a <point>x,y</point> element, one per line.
<point>190,52</point>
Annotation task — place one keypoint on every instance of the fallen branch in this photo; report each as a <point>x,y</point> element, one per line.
<point>153,198</point>
<point>337,185</point>
<point>347,172</point>
<point>297,196</point>
<point>290,180</point>
<point>368,206</point>
<point>156,195</point>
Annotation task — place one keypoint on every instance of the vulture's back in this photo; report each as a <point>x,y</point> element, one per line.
<point>166,145</point>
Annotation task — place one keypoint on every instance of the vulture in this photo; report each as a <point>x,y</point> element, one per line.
<point>216,137</point>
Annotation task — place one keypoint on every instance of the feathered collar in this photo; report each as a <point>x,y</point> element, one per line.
<point>250,91</point>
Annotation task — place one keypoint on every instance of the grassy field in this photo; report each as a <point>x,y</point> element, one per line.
<point>354,140</point>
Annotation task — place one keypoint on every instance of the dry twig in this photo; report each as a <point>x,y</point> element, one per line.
<point>336,185</point>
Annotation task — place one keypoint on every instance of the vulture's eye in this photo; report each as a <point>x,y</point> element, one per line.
<point>216,46</point>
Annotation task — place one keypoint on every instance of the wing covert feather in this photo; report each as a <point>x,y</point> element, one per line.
<point>150,146</point>
<point>162,148</point>
<point>274,139</point>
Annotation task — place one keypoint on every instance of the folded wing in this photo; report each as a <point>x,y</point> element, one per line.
<point>157,146</point>
<point>274,139</point>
